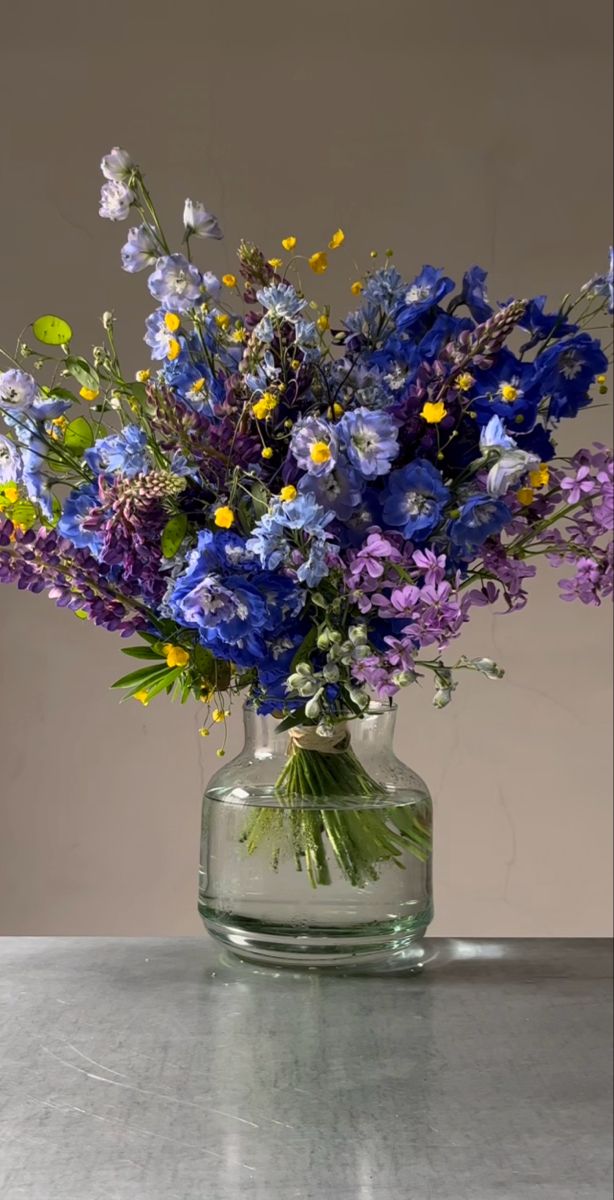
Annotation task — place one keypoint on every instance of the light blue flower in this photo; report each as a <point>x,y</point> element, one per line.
<point>494,436</point>
<point>176,283</point>
<point>126,452</point>
<point>282,301</point>
<point>115,200</point>
<point>370,440</point>
<point>199,222</point>
<point>414,499</point>
<point>77,509</point>
<point>19,391</point>
<point>315,445</point>
<point>211,283</point>
<point>157,336</point>
<point>340,492</point>
<point>140,250</point>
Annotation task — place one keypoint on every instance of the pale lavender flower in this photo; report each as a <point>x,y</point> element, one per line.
<point>370,440</point>
<point>176,283</point>
<point>315,445</point>
<point>433,565</point>
<point>200,223</point>
<point>19,391</point>
<point>115,201</point>
<point>117,165</point>
<point>578,486</point>
<point>11,465</point>
<point>140,250</point>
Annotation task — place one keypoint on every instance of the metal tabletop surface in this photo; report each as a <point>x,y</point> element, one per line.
<point>162,1069</point>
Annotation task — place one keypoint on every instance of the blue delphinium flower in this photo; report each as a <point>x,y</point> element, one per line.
<point>11,465</point>
<point>34,471</point>
<point>414,499</point>
<point>21,399</point>
<point>339,492</point>
<point>315,445</point>
<point>126,453</point>
<point>542,325</point>
<point>384,288</point>
<point>425,291</point>
<point>268,541</point>
<point>508,390</point>
<point>445,328</point>
<point>158,337</point>
<point>494,436</point>
<point>602,286</point>
<point>480,518</point>
<point>370,440</point>
<point>199,222</point>
<point>115,200</point>
<point>140,250</point>
<point>565,372</point>
<point>473,294</point>
<point>176,283</point>
<point>77,507</point>
<point>233,605</point>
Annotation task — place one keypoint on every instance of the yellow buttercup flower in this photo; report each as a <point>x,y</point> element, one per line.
<point>238,335</point>
<point>433,413</point>
<point>229,280</point>
<point>320,452</point>
<point>266,452</point>
<point>175,656</point>
<point>222,320</point>
<point>276,263</point>
<point>224,517</point>
<point>265,405</point>
<point>219,714</point>
<point>356,288</point>
<point>288,493</point>
<point>509,393</point>
<point>525,495</point>
<point>465,381</point>
<point>173,349</point>
<point>337,409</point>
<point>142,697</point>
<point>9,492</point>
<point>172,322</point>
<point>88,393</point>
<point>295,364</point>
<point>143,376</point>
<point>288,243</point>
<point>319,262</point>
<point>540,477</point>
<point>337,240</point>
<point>323,323</point>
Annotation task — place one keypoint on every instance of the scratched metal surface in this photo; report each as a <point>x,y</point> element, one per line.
<point>161,1070</point>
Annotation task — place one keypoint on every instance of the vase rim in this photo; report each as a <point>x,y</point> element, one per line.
<point>376,708</point>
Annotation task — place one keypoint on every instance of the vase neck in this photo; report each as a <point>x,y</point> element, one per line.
<point>375,730</point>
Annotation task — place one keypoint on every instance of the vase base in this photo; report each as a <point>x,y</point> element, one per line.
<point>383,947</point>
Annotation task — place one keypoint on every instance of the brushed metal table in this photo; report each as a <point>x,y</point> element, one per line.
<point>159,1069</point>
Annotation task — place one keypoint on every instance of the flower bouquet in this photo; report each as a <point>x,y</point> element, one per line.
<point>299,508</point>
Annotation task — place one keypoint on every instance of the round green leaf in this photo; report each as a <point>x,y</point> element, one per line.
<point>78,436</point>
<point>52,331</point>
<point>24,513</point>
<point>173,534</point>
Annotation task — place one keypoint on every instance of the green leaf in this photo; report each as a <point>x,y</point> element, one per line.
<point>60,393</point>
<point>52,331</point>
<point>84,374</point>
<point>305,648</point>
<point>141,652</point>
<point>204,661</point>
<point>260,497</point>
<point>139,677</point>
<point>295,718</point>
<point>24,513</point>
<point>163,681</point>
<point>173,534</point>
<point>79,435</point>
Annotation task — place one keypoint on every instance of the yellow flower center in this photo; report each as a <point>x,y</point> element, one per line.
<point>318,262</point>
<point>198,386</point>
<point>288,493</point>
<point>433,413</point>
<point>509,393</point>
<point>174,349</point>
<point>465,381</point>
<point>320,452</point>
<point>224,517</point>
<point>172,322</point>
<point>288,243</point>
<point>229,280</point>
<point>337,240</point>
<point>238,335</point>
<point>88,393</point>
<point>143,376</point>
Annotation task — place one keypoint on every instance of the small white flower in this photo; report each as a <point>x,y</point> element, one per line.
<point>115,201</point>
<point>511,467</point>
<point>117,165</point>
<point>313,706</point>
<point>199,222</point>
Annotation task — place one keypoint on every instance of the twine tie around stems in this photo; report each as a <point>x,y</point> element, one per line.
<point>302,737</point>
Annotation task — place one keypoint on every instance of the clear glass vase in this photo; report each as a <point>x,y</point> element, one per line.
<point>317,851</point>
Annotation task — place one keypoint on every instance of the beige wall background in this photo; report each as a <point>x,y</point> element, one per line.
<point>457,132</point>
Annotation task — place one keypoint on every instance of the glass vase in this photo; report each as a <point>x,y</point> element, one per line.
<point>317,851</point>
